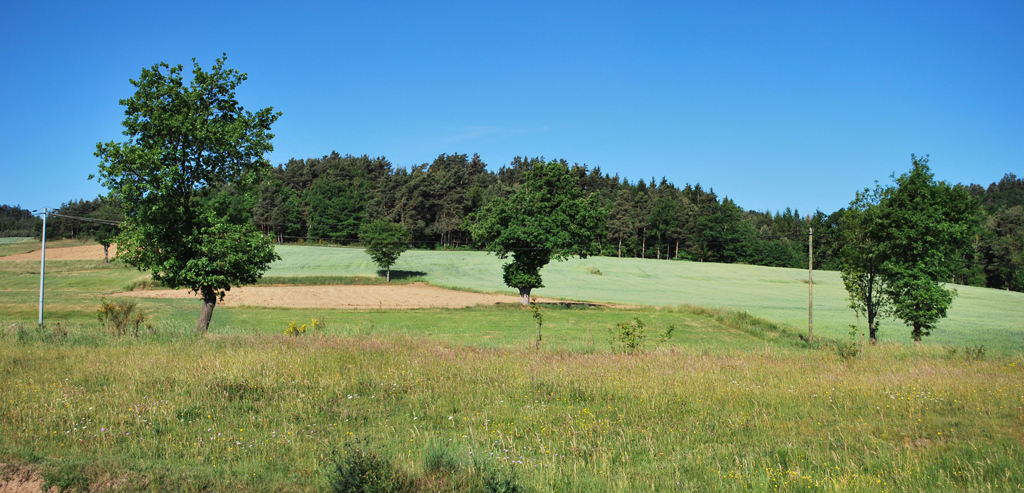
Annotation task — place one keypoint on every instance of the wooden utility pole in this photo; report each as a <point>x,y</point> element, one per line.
<point>810,284</point>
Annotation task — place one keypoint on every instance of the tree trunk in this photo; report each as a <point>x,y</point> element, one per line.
<point>872,332</point>
<point>209,301</point>
<point>389,273</point>
<point>524,296</point>
<point>643,246</point>
<point>106,259</point>
<point>620,247</point>
<point>677,250</point>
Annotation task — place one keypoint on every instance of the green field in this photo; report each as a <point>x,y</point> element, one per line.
<point>460,399</point>
<point>979,316</point>
<point>176,412</point>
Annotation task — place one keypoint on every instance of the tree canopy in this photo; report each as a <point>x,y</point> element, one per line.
<point>183,142</point>
<point>862,258</point>
<point>548,217</point>
<point>384,241</point>
<point>922,227</point>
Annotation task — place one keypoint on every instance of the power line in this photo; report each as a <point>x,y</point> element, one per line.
<point>90,219</point>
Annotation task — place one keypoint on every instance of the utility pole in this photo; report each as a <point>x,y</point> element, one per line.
<point>42,269</point>
<point>810,283</point>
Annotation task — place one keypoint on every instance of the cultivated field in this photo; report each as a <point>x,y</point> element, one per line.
<point>460,399</point>
<point>979,316</point>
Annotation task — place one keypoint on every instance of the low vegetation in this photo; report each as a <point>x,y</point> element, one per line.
<point>280,413</point>
<point>686,398</point>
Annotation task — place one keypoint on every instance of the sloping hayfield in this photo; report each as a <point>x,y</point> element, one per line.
<point>85,252</point>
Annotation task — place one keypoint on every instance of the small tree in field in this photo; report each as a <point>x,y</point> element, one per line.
<point>106,232</point>
<point>182,140</point>
<point>385,241</point>
<point>862,259</point>
<point>547,218</point>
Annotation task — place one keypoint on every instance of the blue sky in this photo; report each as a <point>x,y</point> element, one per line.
<point>773,104</point>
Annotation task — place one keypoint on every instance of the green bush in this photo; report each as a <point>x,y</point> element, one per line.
<point>628,337</point>
<point>357,468</point>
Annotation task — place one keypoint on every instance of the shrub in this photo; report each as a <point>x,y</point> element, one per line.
<point>357,468</point>
<point>974,353</point>
<point>848,349</point>
<point>295,329</point>
<point>119,315</point>
<point>628,336</point>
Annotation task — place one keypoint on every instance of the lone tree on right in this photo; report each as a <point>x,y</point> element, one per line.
<point>920,226</point>
<point>547,218</point>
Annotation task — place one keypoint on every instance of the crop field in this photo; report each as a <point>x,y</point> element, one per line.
<point>443,399</point>
<point>979,316</point>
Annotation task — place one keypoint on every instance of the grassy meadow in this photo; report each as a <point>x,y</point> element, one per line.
<point>461,400</point>
<point>277,413</point>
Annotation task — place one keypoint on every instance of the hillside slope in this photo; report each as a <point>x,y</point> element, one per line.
<point>978,316</point>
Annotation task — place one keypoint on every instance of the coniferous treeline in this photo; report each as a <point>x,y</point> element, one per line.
<point>328,199</point>
<point>999,244</point>
<point>15,221</point>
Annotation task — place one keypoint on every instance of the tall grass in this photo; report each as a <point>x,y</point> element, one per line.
<point>266,412</point>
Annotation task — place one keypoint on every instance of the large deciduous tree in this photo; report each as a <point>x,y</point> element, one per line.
<point>184,139</point>
<point>922,227</point>
<point>547,218</point>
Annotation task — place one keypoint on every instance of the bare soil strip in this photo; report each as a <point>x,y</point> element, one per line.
<point>402,296</point>
<point>86,252</point>
<point>14,479</point>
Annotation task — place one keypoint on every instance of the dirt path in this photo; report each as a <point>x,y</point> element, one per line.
<point>400,296</point>
<point>86,252</point>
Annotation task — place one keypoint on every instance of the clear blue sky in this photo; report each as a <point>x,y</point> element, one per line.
<point>792,105</point>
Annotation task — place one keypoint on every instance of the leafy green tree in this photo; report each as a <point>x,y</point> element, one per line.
<point>862,258</point>
<point>182,140</point>
<point>385,241</point>
<point>105,232</point>
<point>921,226</point>
<point>547,218</point>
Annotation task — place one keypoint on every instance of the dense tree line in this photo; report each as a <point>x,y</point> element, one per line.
<point>329,199</point>
<point>998,260</point>
<point>15,221</point>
